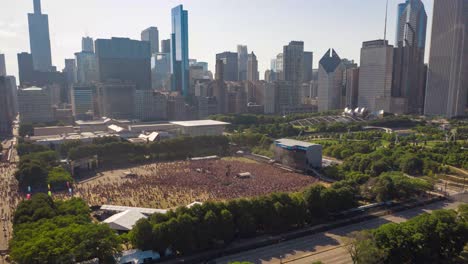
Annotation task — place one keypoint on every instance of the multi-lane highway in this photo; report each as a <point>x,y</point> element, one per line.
<point>328,247</point>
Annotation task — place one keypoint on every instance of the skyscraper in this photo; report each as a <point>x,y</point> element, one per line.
<point>87,44</point>
<point>7,104</point>
<point>180,50</point>
<point>166,46</point>
<point>219,70</point>
<point>330,81</point>
<point>25,68</point>
<point>151,34</point>
<point>2,65</point>
<point>252,68</point>
<point>242,61</point>
<point>408,72</point>
<point>39,39</point>
<point>293,55</point>
<point>375,76</point>
<point>230,68</point>
<point>447,77</point>
<point>307,66</point>
<point>86,67</point>
<point>125,60</point>
<point>279,66</point>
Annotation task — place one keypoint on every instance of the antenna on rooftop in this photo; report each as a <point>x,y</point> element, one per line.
<point>386,17</point>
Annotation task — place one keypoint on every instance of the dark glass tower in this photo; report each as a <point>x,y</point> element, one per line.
<point>180,50</point>
<point>39,39</point>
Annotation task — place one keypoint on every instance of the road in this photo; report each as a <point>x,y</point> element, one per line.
<point>327,247</point>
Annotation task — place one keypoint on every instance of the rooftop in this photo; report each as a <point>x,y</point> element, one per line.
<point>125,220</point>
<point>33,88</point>
<point>291,143</point>
<point>196,123</point>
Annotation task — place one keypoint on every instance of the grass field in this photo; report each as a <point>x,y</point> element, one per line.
<point>171,184</point>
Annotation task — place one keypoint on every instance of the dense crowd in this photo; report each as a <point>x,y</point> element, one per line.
<point>166,185</point>
<point>9,199</point>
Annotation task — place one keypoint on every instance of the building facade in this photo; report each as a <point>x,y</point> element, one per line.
<point>150,105</point>
<point>83,102</point>
<point>116,100</point>
<point>180,51</point>
<point>151,35</point>
<point>2,65</point>
<point>7,104</point>
<point>87,44</point>
<point>252,68</point>
<point>242,61</point>
<point>308,60</point>
<point>409,73</point>
<point>39,39</point>
<point>124,60</point>
<point>375,76</point>
<point>447,77</point>
<point>330,82</point>
<point>230,65</point>
<point>35,105</point>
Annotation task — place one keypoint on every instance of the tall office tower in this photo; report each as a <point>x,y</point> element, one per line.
<point>151,35</point>
<point>2,65</point>
<point>242,62</point>
<point>307,66</point>
<point>35,105</point>
<point>150,105</point>
<point>279,66</point>
<point>269,100</point>
<point>125,60</point>
<point>25,68</point>
<point>375,76</point>
<point>252,68</point>
<point>408,72</point>
<point>447,77</point>
<point>293,55</point>
<point>7,104</point>
<point>180,50</point>
<point>330,81</point>
<point>219,75</point>
<point>39,39</point>
<point>270,76</point>
<point>160,71</point>
<point>352,87</point>
<point>86,67</point>
<point>70,71</point>
<point>273,64</point>
<point>82,98</point>
<point>115,99</point>
<point>87,44</point>
<point>166,46</point>
<point>230,68</point>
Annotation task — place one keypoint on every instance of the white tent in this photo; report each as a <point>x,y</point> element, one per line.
<point>124,221</point>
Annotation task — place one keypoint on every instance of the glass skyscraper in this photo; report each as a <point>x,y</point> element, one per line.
<point>39,39</point>
<point>180,50</point>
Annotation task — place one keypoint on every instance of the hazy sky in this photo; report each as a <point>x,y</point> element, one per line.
<point>214,25</point>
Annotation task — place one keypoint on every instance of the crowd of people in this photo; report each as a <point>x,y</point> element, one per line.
<point>171,184</point>
<point>8,201</point>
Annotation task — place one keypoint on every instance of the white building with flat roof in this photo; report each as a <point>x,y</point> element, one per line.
<point>197,128</point>
<point>298,154</point>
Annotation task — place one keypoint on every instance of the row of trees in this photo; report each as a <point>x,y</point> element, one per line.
<point>48,231</point>
<point>215,224</point>
<point>171,149</point>
<point>438,237</point>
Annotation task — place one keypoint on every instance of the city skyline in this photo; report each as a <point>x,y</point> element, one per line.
<point>206,36</point>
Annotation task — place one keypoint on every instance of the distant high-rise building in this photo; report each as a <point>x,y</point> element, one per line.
<point>273,65</point>
<point>160,71</point>
<point>307,66</point>
<point>151,35</point>
<point>25,68</point>
<point>292,62</point>
<point>87,44</point>
<point>2,65</point>
<point>150,105</point>
<point>116,99</point>
<point>242,62</point>
<point>35,105</point>
<point>447,77</point>
<point>352,87</point>
<point>7,104</point>
<point>125,60</point>
<point>293,59</point>
<point>39,39</point>
<point>70,71</point>
<point>252,68</point>
<point>82,98</point>
<point>330,81</point>
<point>279,66</point>
<point>180,50</point>
<point>219,75</point>
<point>86,67</point>
<point>230,68</point>
<point>166,46</point>
<point>408,72</point>
<point>375,76</point>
